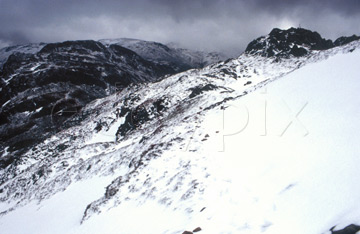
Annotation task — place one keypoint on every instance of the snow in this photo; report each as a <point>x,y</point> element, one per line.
<point>34,67</point>
<point>107,135</point>
<point>133,218</point>
<point>10,78</point>
<point>38,109</point>
<point>283,158</point>
<point>68,205</point>
<point>305,173</point>
<point>7,102</point>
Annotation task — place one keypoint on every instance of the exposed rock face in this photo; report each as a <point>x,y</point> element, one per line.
<point>200,89</point>
<point>198,229</point>
<point>293,42</point>
<point>351,229</point>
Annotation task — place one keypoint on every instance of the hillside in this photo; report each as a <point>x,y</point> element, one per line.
<point>43,85</point>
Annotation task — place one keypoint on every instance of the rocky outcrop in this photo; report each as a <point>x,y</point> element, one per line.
<point>351,229</point>
<point>198,229</point>
<point>139,115</point>
<point>295,42</point>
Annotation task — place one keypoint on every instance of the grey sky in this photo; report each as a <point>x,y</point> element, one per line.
<point>217,25</point>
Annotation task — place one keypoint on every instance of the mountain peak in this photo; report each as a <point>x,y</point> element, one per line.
<point>293,42</point>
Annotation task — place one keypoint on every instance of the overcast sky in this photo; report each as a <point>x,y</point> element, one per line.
<point>216,25</point>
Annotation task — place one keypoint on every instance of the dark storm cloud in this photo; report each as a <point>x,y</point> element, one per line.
<point>226,25</point>
<point>341,6</point>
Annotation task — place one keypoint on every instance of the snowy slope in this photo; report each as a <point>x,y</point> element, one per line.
<point>215,148</point>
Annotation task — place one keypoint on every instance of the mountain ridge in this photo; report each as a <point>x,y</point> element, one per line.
<point>168,54</point>
<point>293,41</point>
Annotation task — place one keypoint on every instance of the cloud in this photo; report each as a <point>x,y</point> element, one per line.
<point>218,25</point>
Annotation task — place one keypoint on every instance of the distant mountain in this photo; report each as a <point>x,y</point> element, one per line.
<point>178,58</point>
<point>27,49</point>
<point>294,41</point>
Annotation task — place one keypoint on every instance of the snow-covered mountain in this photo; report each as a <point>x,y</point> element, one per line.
<point>178,58</point>
<point>42,85</point>
<point>253,144</point>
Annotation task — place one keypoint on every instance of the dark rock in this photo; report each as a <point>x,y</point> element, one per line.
<point>127,126</point>
<point>73,47</point>
<point>200,89</point>
<point>345,40</point>
<point>198,229</point>
<point>61,147</point>
<point>159,105</point>
<point>298,52</point>
<point>351,229</point>
<point>98,127</point>
<point>6,161</point>
<point>187,232</point>
<point>284,43</point>
<point>113,188</point>
<point>140,115</point>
